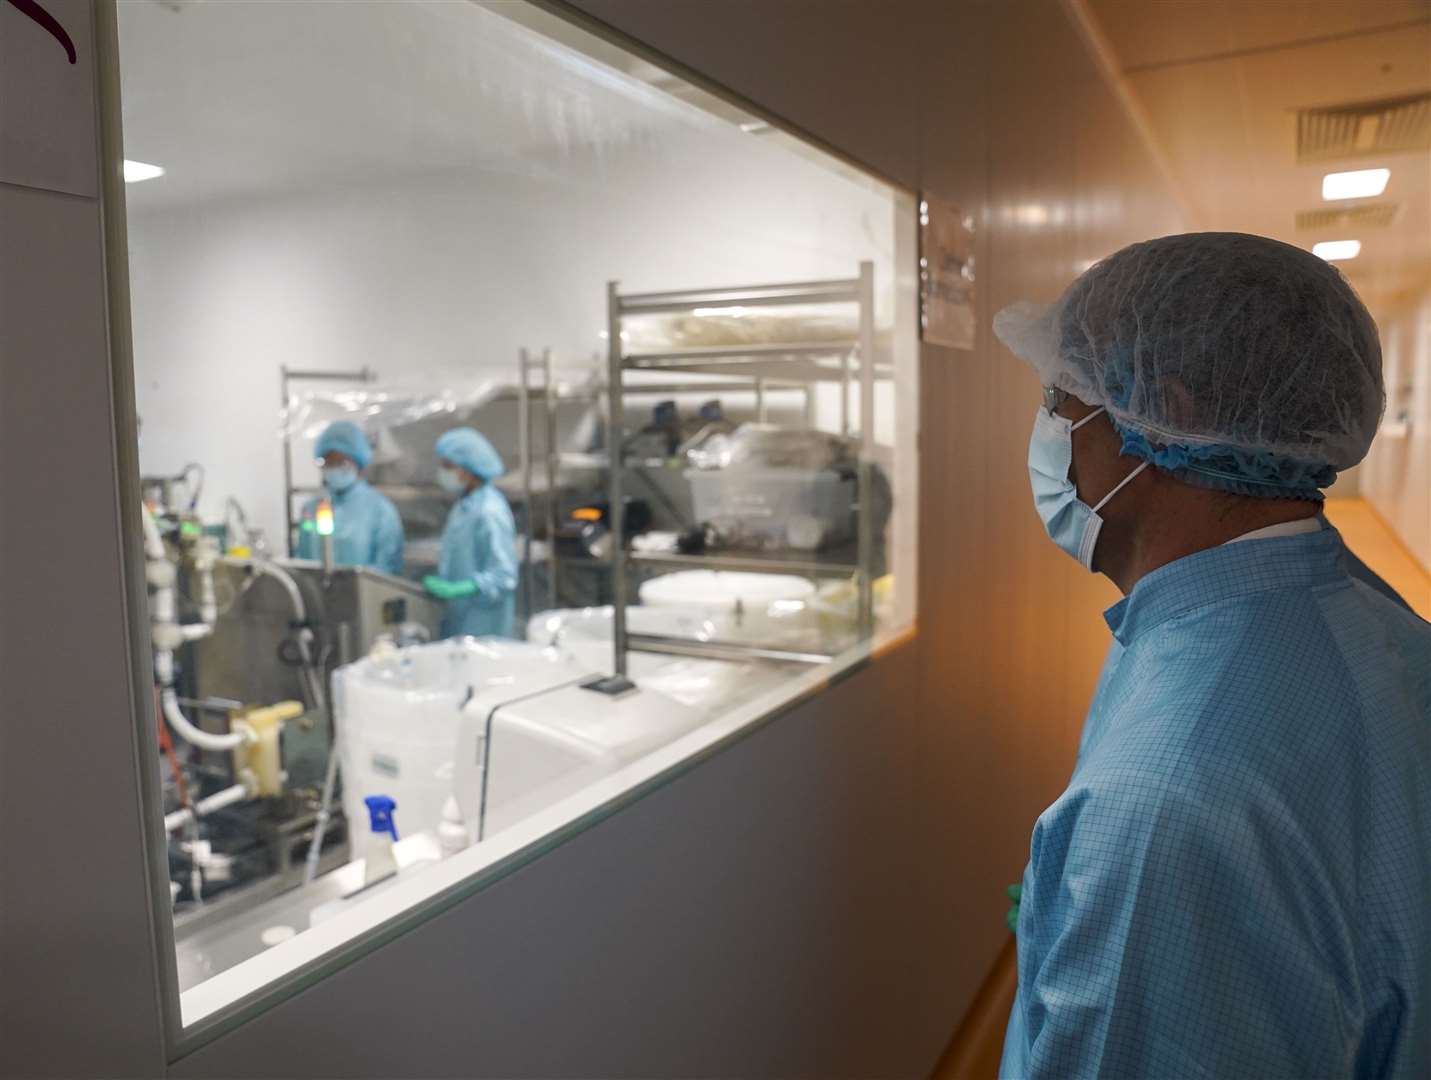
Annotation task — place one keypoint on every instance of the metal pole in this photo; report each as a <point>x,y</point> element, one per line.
<point>760,412</point>
<point>524,438</point>
<point>553,464</point>
<point>287,462</point>
<point>845,388</point>
<point>615,512</point>
<point>867,447</point>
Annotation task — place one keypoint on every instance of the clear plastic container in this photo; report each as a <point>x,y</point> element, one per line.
<point>775,508</point>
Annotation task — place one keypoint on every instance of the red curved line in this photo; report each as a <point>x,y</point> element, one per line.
<point>48,21</point>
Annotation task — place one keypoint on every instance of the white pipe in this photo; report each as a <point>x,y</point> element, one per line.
<point>153,542</point>
<point>208,597</point>
<point>282,576</point>
<point>230,795</point>
<point>169,701</point>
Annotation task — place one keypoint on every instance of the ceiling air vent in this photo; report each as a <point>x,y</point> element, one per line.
<point>1367,215</point>
<point>1367,127</point>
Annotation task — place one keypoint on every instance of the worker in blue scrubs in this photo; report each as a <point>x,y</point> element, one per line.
<point>367,530</point>
<point>1237,880</point>
<point>477,567</point>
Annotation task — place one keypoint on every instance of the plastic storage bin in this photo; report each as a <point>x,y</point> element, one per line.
<point>774,508</point>
<point>398,714</point>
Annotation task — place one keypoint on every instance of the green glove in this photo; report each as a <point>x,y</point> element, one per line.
<point>1015,892</point>
<point>449,590</point>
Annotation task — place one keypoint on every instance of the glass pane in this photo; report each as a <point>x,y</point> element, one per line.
<point>378,253</point>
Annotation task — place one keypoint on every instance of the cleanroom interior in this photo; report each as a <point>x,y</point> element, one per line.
<point>407,215</point>
<point>823,860</point>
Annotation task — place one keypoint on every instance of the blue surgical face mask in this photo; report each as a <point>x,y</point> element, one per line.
<point>339,478</point>
<point>450,481</point>
<point>1070,522</point>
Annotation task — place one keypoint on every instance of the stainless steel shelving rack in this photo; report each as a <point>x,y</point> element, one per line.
<point>286,377</point>
<point>849,363</point>
<point>545,395</point>
<point>539,392</point>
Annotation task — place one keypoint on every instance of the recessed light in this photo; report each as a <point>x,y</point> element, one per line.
<point>1360,184</point>
<point>135,171</point>
<point>1337,250</point>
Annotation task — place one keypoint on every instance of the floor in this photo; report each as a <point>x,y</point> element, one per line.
<point>974,1051</point>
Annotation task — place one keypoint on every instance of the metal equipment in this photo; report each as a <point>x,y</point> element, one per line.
<point>252,773</point>
<point>348,608</point>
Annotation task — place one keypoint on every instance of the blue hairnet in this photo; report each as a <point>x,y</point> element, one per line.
<point>345,437</point>
<point>470,449</point>
<point>1233,361</point>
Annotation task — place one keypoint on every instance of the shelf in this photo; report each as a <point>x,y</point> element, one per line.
<point>799,292</point>
<point>792,370</point>
<point>725,385</point>
<point>800,565</point>
<point>721,650</point>
<point>701,353</point>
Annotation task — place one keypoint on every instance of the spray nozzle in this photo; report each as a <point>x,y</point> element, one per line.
<point>380,814</point>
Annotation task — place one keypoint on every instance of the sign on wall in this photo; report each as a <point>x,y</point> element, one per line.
<point>946,274</point>
<point>47,106</point>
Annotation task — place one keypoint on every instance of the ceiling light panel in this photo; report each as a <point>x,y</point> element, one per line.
<point>1337,250</point>
<point>1359,184</point>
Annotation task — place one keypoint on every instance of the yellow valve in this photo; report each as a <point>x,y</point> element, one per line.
<point>259,755</point>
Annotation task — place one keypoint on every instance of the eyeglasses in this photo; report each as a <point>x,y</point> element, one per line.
<point>1053,397</point>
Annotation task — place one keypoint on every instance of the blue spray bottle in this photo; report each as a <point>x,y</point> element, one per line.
<point>379,859</point>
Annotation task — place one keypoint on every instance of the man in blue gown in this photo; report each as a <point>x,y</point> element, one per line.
<point>1237,880</point>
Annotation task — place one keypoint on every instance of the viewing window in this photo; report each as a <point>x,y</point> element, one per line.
<point>517,420</point>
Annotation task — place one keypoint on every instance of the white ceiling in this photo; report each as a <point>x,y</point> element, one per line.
<point>237,98</point>
<point>1220,80</point>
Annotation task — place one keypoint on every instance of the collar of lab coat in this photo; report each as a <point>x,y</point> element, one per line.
<point>1222,573</point>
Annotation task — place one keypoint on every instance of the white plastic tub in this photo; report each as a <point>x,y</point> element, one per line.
<point>397,720</point>
<point>756,609</point>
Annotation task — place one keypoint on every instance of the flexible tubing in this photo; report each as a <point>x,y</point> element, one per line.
<point>169,702</point>
<point>230,795</point>
<point>311,680</point>
<point>262,566</point>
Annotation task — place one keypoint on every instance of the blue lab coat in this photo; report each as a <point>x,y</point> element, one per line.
<point>367,530</point>
<point>1237,880</point>
<point>479,542</point>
